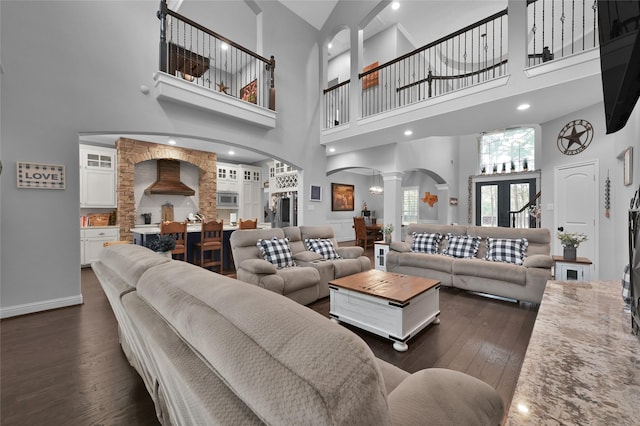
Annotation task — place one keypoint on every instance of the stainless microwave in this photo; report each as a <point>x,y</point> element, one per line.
<point>227,200</point>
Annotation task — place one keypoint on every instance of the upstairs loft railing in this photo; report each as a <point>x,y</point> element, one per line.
<point>560,28</point>
<point>469,56</point>
<point>336,104</point>
<point>205,58</point>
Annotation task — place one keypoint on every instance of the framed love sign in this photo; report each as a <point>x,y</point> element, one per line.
<point>40,176</point>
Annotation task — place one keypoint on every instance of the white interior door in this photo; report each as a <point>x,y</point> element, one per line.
<point>576,207</point>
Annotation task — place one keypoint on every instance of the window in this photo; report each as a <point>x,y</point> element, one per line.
<point>510,147</point>
<point>410,205</point>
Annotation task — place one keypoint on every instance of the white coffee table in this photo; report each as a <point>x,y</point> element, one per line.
<point>394,306</point>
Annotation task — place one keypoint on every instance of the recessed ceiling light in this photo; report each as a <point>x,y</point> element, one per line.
<point>523,408</point>
<point>224,46</point>
<point>395,5</point>
<point>332,150</point>
<point>522,107</point>
<point>330,46</point>
<point>408,132</point>
<point>231,153</point>
<point>172,142</point>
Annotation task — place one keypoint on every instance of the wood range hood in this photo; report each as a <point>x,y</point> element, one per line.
<point>168,181</point>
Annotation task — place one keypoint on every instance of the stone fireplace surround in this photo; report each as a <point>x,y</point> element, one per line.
<point>132,152</point>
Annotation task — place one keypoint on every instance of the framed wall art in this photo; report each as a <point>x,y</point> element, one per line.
<point>315,194</point>
<point>249,92</point>
<point>342,197</point>
<point>40,176</point>
<point>628,166</point>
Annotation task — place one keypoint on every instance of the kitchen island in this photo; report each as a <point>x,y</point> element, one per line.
<point>143,233</point>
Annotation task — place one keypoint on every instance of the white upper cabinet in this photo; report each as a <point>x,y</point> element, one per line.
<point>227,178</point>
<point>98,178</point>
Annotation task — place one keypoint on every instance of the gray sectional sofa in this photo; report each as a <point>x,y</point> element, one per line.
<point>212,350</point>
<point>309,280</point>
<point>521,282</point>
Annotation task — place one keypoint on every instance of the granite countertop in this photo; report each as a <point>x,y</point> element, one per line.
<point>155,229</point>
<point>582,365</point>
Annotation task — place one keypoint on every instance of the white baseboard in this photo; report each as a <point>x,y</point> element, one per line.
<point>45,305</point>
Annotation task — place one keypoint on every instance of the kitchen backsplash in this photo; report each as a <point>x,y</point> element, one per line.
<point>146,174</point>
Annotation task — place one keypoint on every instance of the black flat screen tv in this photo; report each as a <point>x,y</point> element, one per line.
<point>619,32</point>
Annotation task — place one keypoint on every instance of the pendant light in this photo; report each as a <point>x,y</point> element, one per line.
<point>375,189</point>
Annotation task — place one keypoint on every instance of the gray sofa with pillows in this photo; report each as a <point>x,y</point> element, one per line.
<point>212,350</point>
<point>296,261</point>
<point>508,262</point>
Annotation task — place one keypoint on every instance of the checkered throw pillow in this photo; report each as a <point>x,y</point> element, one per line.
<point>276,251</point>
<point>462,246</point>
<point>425,243</point>
<point>507,250</point>
<point>322,246</point>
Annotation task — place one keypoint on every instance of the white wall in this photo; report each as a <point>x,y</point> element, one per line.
<point>82,73</point>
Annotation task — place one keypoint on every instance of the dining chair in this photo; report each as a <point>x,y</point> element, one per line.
<point>363,236</point>
<point>211,242</point>
<point>179,231</point>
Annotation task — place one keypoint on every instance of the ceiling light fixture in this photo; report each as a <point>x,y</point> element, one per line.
<point>224,46</point>
<point>523,107</point>
<point>231,153</point>
<point>332,150</point>
<point>330,46</point>
<point>375,189</point>
<point>395,5</point>
<point>172,142</point>
<point>408,132</point>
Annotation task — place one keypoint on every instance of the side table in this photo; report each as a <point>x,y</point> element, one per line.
<point>380,250</point>
<point>578,269</point>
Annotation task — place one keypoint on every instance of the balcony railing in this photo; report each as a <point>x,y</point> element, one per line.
<point>336,104</point>
<point>560,28</point>
<point>205,58</point>
<point>469,56</point>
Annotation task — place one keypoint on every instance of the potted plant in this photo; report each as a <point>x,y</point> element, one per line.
<point>495,168</point>
<point>483,170</point>
<point>387,230</point>
<point>163,244</point>
<point>525,165</point>
<point>513,166</point>
<point>570,242</point>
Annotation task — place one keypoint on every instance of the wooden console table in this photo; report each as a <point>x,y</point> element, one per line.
<point>582,365</point>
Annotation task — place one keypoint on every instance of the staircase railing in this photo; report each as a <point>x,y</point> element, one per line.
<point>203,57</point>
<point>528,216</point>
<point>336,104</point>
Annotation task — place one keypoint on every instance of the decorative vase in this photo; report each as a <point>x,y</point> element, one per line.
<point>569,253</point>
<point>387,238</point>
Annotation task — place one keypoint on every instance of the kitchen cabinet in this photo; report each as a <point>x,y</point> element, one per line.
<point>250,201</point>
<point>92,240</point>
<point>227,177</point>
<point>98,177</point>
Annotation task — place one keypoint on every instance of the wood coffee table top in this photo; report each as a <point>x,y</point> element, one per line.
<point>399,288</point>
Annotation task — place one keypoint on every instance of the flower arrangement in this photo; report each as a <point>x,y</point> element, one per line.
<point>163,243</point>
<point>387,229</point>
<point>571,239</point>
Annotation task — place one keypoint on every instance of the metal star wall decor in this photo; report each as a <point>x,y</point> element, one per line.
<point>575,137</point>
<point>221,87</point>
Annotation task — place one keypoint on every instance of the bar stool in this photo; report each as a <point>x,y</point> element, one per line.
<point>248,224</point>
<point>210,241</point>
<point>179,231</point>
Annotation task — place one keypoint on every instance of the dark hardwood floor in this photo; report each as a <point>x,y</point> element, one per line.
<point>65,366</point>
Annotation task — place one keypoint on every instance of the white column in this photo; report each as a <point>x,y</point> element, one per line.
<point>517,37</point>
<point>444,210</point>
<point>393,202</point>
